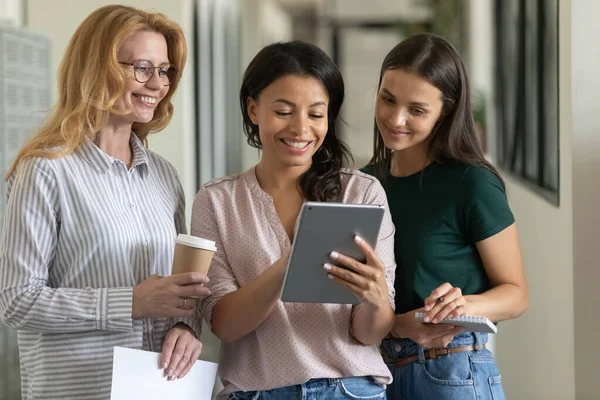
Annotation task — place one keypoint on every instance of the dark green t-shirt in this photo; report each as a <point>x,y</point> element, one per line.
<point>439,214</point>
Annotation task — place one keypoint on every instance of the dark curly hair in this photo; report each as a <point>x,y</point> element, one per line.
<point>322,180</point>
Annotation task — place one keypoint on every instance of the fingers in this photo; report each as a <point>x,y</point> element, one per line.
<point>444,312</point>
<point>167,349</point>
<point>445,340</point>
<point>438,330</point>
<point>441,339</point>
<point>438,294</point>
<point>458,311</point>
<point>353,276</point>
<point>370,254</point>
<point>178,356</point>
<point>193,290</point>
<point>358,291</point>
<point>195,352</point>
<point>188,278</point>
<point>451,300</point>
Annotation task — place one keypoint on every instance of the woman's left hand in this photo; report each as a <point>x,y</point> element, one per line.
<point>180,351</point>
<point>445,301</point>
<point>365,280</point>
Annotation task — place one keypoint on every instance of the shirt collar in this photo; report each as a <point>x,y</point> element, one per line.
<point>101,161</point>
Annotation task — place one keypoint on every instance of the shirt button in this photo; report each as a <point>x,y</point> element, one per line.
<point>132,205</point>
<point>398,347</point>
<point>145,244</point>
<point>150,327</point>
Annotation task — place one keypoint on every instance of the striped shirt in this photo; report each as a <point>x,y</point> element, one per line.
<point>79,232</point>
<point>296,342</point>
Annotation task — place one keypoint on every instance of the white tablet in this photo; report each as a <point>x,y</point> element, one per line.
<point>321,229</point>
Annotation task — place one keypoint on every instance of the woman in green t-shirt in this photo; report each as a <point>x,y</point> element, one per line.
<point>456,243</point>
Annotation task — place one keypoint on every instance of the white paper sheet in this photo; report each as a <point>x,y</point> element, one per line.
<point>137,375</point>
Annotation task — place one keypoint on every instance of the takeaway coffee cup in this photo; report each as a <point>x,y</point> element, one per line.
<point>192,254</point>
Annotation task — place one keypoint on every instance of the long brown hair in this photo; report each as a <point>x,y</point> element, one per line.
<point>454,137</point>
<point>90,81</point>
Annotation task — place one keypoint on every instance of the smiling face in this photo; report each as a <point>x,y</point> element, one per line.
<point>406,110</point>
<point>142,98</point>
<point>291,115</point>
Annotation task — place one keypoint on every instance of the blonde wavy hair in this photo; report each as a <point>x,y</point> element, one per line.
<point>91,81</point>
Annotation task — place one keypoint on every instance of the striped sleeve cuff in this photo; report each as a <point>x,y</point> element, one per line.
<point>114,309</point>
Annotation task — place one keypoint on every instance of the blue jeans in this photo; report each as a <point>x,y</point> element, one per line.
<point>363,388</point>
<point>457,376</point>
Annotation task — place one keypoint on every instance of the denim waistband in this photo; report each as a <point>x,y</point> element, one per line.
<point>397,348</point>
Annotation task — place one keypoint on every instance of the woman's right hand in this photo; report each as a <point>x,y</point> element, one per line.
<point>429,336</point>
<point>168,296</point>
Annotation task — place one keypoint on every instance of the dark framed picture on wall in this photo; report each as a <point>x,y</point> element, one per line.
<point>526,93</point>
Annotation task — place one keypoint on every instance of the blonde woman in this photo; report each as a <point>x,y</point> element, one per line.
<point>92,216</point>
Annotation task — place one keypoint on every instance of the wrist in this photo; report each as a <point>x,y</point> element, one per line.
<point>185,326</point>
<point>382,306</point>
<point>398,330</point>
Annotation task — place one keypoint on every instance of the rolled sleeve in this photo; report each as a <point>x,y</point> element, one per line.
<point>221,278</point>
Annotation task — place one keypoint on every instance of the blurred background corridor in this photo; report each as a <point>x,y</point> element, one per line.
<point>532,66</point>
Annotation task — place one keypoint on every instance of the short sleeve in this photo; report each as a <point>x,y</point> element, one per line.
<point>486,211</point>
<point>385,242</point>
<point>204,224</point>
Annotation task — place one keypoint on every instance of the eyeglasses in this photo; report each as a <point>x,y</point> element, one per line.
<point>143,71</point>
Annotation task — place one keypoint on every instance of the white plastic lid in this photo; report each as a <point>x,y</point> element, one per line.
<point>195,241</point>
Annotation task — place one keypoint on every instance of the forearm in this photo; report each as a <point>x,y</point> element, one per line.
<point>370,326</point>
<point>45,309</point>
<point>241,312</point>
<point>503,302</point>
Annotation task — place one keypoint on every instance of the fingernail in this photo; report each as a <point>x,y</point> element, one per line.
<point>165,365</point>
<point>330,276</point>
<point>427,308</point>
<point>170,373</point>
<point>435,320</point>
<point>358,239</point>
<point>334,254</point>
<point>427,319</point>
<point>327,267</point>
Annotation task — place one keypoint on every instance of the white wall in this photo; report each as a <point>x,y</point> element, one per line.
<point>546,353</point>
<point>59,18</point>
<point>480,56</point>
<point>263,22</point>
<point>585,89</point>
<point>377,10</point>
<point>12,11</point>
<point>362,51</point>
<point>535,352</point>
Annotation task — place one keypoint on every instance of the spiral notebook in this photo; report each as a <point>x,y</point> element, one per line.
<point>471,324</point>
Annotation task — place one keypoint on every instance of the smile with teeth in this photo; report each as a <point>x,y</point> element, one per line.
<point>297,145</point>
<point>146,99</point>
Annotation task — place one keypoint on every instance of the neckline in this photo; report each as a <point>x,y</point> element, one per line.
<point>413,175</point>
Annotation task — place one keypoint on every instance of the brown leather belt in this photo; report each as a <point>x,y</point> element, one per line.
<point>430,354</point>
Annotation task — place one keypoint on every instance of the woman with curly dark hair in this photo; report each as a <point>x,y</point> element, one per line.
<point>290,98</point>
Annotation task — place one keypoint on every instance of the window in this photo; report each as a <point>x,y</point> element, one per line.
<point>526,88</point>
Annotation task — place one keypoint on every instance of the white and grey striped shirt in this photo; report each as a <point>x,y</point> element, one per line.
<point>79,232</point>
